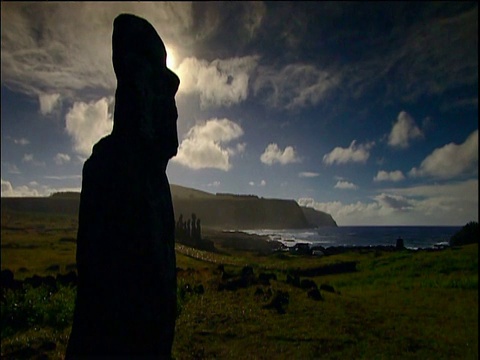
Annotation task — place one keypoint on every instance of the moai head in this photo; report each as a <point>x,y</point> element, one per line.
<point>145,97</point>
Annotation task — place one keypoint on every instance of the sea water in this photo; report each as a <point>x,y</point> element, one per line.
<point>414,237</point>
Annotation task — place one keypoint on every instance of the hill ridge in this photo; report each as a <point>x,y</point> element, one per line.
<point>221,210</point>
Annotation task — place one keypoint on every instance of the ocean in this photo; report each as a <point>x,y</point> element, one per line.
<point>414,237</point>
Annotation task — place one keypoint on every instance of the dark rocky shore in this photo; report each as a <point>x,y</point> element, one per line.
<point>239,240</point>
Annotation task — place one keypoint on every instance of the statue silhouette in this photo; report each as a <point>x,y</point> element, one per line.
<point>126,295</point>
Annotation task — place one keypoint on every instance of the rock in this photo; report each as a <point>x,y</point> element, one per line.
<point>71,267</point>
<point>308,284</point>
<point>259,292</point>
<point>35,281</point>
<point>47,346</point>
<point>293,280</point>
<point>199,289</point>
<point>50,282</point>
<point>53,268</point>
<point>314,294</point>
<point>6,278</point>
<point>8,281</point>
<point>247,277</point>
<point>264,278</point>
<point>126,292</point>
<point>69,279</point>
<point>268,293</point>
<point>279,302</point>
<point>399,244</point>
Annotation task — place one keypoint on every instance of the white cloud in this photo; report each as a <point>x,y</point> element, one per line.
<point>308,174</point>
<point>29,158</point>
<point>204,145</point>
<point>353,153</point>
<point>261,183</point>
<point>11,168</point>
<point>241,147</point>
<point>87,123</point>
<point>294,86</point>
<point>218,83</point>
<point>48,102</point>
<point>403,131</point>
<point>50,47</point>
<point>450,203</point>
<point>396,202</point>
<point>19,191</point>
<point>62,177</point>
<point>216,183</point>
<point>447,204</point>
<point>61,159</point>
<point>273,154</point>
<point>345,185</point>
<point>394,176</point>
<point>33,189</point>
<point>451,160</point>
<point>252,19</point>
<point>21,141</point>
<point>348,214</point>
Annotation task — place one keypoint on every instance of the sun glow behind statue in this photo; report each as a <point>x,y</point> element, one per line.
<point>171,61</point>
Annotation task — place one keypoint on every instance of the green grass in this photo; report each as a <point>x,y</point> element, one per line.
<point>409,305</point>
<point>397,305</point>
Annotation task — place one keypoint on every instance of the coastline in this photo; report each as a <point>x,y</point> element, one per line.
<point>250,240</point>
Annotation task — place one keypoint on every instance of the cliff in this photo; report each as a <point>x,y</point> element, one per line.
<point>222,211</point>
<point>230,211</point>
<point>317,218</point>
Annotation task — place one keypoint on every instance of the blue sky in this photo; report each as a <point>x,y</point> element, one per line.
<point>368,111</point>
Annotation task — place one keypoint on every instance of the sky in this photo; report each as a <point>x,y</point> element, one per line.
<point>367,111</point>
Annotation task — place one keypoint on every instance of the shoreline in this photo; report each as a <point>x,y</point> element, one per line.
<point>245,241</point>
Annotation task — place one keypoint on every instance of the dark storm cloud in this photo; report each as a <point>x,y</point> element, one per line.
<point>396,51</point>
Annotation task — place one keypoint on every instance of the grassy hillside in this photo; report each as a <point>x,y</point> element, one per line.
<point>408,305</point>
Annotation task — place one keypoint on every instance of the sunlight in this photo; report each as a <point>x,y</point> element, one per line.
<point>170,57</point>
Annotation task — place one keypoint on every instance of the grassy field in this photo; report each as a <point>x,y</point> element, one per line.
<point>408,305</point>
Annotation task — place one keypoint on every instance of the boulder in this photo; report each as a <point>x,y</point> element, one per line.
<point>279,302</point>
<point>315,294</point>
<point>69,279</point>
<point>264,278</point>
<point>399,245</point>
<point>308,284</point>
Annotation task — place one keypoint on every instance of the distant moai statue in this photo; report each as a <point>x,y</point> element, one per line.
<point>189,234</point>
<point>126,302</point>
<point>199,231</point>
<point>194,227</point>
<point>180,227</point>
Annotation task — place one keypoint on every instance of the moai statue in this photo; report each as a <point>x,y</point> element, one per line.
<point>126,294</point>
<point>180,227</point>
<point>194,227</point>
<point>189,234</point>
<point>199,230</point>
